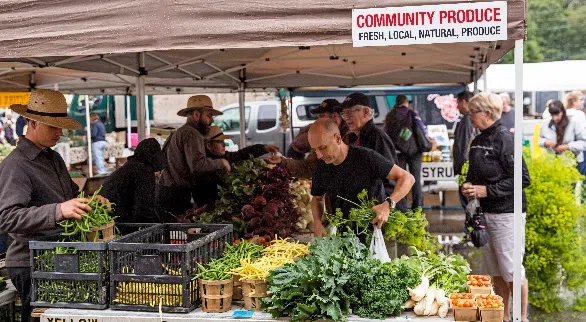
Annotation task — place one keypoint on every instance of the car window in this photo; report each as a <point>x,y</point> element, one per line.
<point>304,112</point>
<point>267,117</point>
<point>230,120</point>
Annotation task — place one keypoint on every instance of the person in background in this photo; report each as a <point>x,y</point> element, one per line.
<point>561,133</point>
<point>328,109</point>
<point>399,118</point>
<point>206,190</point>
<point>463,135</point>
<point>491,180</point>
<point>508,114</point>
<point>20,125</point>
<point>336,171</point>
<point>358,115</point>
<point>186,157</point>
<point>300,145</point>
<point>574,104</point>
<point>132,187</point>
<point>9,130</point>
<point>98,136</point>
<point>36,191</point>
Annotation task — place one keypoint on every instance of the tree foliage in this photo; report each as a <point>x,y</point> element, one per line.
<point>555,31</point>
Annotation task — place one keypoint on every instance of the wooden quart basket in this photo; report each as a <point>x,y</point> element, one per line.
<point>216,296</point>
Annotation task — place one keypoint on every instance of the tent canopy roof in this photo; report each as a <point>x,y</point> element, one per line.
<point>206,44</point>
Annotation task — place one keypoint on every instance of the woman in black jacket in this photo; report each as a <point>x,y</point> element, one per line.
<point>491,181</point>
<point>132,187</point>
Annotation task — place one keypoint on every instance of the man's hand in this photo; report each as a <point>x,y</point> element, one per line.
<point>382,214</point>
<point>561,148</point>
<point>74,208</point>
<point>104,200</point>
<point>318,229</point>
<point>270,148</point>
<point>550,144</point>
<point>226,165</point>
<point>476,192</point>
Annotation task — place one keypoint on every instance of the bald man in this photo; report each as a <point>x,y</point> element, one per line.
<point>344,171</point>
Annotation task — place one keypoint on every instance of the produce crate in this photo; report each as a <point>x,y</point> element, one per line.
<point>156,266</point>
<point>77,279</point>
<point>492,314</point>
<point>466,314</point>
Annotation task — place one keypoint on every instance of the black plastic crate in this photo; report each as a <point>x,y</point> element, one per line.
<point>72,274</point>
<point>156,266</point>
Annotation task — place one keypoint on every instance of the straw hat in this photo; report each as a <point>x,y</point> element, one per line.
<point>216,134</point>
<point>199,102</point>
<point>48,107</point>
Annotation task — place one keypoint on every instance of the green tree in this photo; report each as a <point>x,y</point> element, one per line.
<point>577,33</point>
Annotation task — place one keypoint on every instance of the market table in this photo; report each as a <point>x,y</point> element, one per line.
<point>70,315</point>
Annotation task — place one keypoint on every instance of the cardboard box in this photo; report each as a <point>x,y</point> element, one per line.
<point>452,199</point>
<point>431,200</point>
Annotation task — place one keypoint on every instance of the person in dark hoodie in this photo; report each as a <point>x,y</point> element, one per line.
<point>132,187</point>
<point>207,191</point>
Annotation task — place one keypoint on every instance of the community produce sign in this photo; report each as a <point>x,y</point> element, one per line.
<point>447,23</point>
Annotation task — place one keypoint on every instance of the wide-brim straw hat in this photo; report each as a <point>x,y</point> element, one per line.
<point>216,134</point>
<point>199,102</point>
<point>48,107</point>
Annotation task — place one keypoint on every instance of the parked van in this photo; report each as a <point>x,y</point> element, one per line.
<point>262,119</point>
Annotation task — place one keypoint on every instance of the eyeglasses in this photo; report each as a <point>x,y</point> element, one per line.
<point>349,112</point>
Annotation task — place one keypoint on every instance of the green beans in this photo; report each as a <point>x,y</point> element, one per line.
<point>219,269</point>
<point>99,215</point>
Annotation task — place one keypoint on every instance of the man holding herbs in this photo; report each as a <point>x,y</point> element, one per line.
<point>336,175</point>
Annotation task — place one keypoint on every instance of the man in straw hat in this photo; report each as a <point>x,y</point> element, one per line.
<point>36,191</point>
<point>186,157</point>
<point>206,190</point>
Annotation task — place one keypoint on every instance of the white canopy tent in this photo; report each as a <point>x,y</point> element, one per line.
<point>247,44</point>
<point>546,76</point>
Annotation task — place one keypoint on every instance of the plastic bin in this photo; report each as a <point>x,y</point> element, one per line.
<point>157,266</point>
<point>77,279</point>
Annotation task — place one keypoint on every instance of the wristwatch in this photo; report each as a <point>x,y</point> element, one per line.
<point>392,204</point>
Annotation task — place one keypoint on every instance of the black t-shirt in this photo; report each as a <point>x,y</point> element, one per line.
<point>362,169</point>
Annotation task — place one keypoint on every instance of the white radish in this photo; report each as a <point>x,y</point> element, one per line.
<point>420,291</point>
<point>434,308</point>
<point>429,299</point>
<point>443,310</point>
<point>409,304</point>
<point>419,308</point>
<point>440,296</point>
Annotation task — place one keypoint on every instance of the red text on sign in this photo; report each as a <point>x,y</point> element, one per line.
<point>470,15</point>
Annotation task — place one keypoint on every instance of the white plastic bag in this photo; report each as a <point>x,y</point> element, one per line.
<point>378,249</point>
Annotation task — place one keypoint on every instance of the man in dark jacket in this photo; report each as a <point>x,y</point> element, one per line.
<point>462,138</point>
<point>400,125</point>
<point>36,191</point>
<point>206,192</point>
<point>358,115</point>
<point>132,187</point>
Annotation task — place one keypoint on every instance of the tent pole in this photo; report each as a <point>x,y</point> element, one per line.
<point>518,187</point>
<point>128,123</point>
<point>140,108</point>
<point>475,78</point>
<point>147,116</point>
<point>241,101</point>
<point>291,115</point>
<point>88,133</point>
<point>485,80</point>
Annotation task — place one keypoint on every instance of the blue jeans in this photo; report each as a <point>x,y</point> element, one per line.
<point>98,155</point>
